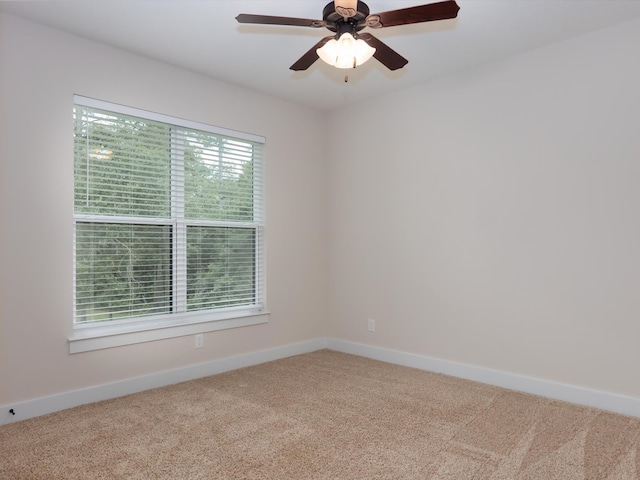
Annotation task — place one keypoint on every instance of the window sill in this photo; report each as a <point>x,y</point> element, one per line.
<point>96,337</point>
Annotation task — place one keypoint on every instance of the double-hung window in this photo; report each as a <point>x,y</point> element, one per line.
<point>168,226</point>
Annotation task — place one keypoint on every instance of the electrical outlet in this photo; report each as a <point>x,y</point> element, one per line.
<point>199,340</point>
<point>372,325</point>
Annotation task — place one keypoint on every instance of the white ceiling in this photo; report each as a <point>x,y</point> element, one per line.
<point>203,36</point>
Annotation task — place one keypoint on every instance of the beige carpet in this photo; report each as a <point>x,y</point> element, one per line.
<point>324,415</point>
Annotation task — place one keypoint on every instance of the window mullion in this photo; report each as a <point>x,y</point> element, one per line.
<point>180,228</point>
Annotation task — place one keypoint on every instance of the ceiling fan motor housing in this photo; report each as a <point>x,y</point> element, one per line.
<point>337,23</point>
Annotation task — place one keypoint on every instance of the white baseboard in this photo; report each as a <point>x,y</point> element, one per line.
<point>559,391</point>
<point>62,401</point>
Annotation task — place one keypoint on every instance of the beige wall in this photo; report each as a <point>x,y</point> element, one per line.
<point>492,217</point>
<point>40,70</point>
<point>489,218</point>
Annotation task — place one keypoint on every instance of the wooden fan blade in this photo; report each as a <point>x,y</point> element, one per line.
<point>421,13</point>
<point>310,57</point>
<point>272,20</point>
<point>384,54</point>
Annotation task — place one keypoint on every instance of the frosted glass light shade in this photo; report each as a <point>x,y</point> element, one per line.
<point>346,52</point>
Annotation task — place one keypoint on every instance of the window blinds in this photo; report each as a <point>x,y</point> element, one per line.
<point>168,217</point>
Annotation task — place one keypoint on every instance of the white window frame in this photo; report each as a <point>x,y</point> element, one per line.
<point>88,337</point>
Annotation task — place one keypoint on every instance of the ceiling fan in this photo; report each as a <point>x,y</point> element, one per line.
<point>349,48</point>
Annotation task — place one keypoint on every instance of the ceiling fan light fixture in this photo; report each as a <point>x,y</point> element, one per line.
<point>347,52</point>
<point>344,17</point>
